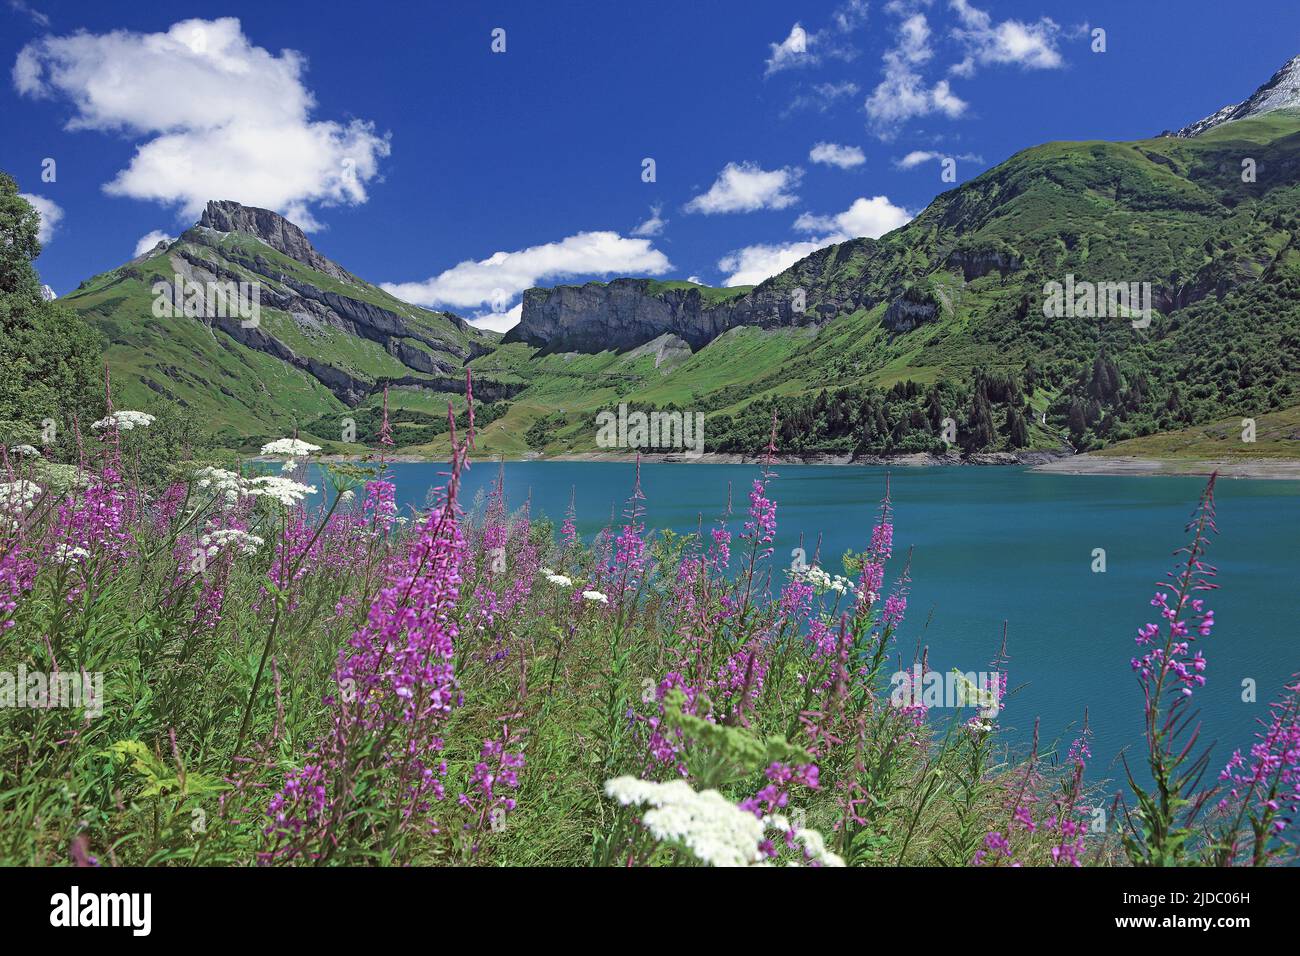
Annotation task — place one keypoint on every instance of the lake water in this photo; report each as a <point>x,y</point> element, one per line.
<point>1002,544</point>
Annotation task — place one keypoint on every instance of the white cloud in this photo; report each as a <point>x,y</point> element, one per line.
<point>865,217</point>
<point>802,48</point>
<point>914,39</point>
<point>920,156</point>
<point>1030,45</point>
<point>791,52</point>
<point>916,157</point>
<point>49,211</point>
<point>752,264</point>
<point>822,97</point>
<point>499,321</point>
<point>219,117</point>
<point>904,94</point>
<point>148,241</point>
<point>40,19</point>
<point>833,154</point>
<point>652,226</point>
<point>745,187</point>
<point>503,275</point>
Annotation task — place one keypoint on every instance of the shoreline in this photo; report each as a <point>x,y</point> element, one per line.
<point>1262,469</point>
<point>1043,462</point>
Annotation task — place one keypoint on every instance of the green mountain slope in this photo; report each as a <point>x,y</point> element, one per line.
<point>324,345</point>
<point>941,319</point>
<point>945,315</point>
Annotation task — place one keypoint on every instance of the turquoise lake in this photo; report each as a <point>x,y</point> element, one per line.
<point>1001,544</point>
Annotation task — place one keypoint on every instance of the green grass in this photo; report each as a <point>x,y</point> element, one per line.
<point>1277,435</point>
<point>1173,212</point>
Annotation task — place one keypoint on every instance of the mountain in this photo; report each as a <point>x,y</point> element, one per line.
<point>324,344</point>
<point>862,348</point>
<point>1282,91</point>
<point>945,317</point>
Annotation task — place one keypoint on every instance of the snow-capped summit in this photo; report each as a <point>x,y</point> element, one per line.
<point>1280,92</point>
<point>47,293</point>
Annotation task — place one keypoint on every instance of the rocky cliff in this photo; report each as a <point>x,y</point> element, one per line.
<point>224,215</point>
<point>320,328</point>
<point>1282,91</point>
<point>627,313</point>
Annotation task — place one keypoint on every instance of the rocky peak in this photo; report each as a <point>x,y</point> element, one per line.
<point>1282,91</point>
<point>225,215</point>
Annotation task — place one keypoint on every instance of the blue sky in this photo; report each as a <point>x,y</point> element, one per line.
<point>459,176</point>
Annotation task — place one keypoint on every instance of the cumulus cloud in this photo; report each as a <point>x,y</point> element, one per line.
<point>149,240</point>
<point>1029,45</point>
<point>920,156</point>
<point>833,154</point>
<point>914,39</point>
<point>218,117</point>
<point>791,52</point>
<point>652,226</point>
<point>865,217</point>
<point>752,264</point>
<point>904,93</point>
<point>746,187</point>
<point>49,211</point>
<point>499,321</point>
<point>500,277</point>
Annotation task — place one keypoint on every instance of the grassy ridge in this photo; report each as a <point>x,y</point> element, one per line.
<point>1222,255</point>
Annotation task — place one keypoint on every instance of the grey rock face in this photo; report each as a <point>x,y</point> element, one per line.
<point>1282,91</point>
<point>623,314</point>
<point>910,310</point>
<point>973,265</point>
<point>315,308</point>
<point>224,215</point>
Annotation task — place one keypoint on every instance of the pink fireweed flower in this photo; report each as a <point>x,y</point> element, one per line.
<point>895,606</point>
<point>882,540</point>
<point>380,506</point>
<point>1266,788</point>
<point>761,526</point>
<point>995,843</point>
<point>720,551</point>
<point>569,530</point>
<point>396,685</point>
<point>494,776</point>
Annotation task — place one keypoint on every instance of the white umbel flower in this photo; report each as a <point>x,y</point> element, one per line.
<point>27,451</point>
<point>595,596</point>
<point>17,496</point>
<point>125,421</point>
<point>243,542</point>
<point>67,554</point>
<point>293,447</point>
<point>221,482</point>
<point>814,843</point>
<point>714,829</point>
<point>284,490</point>
<point>560,580</point>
